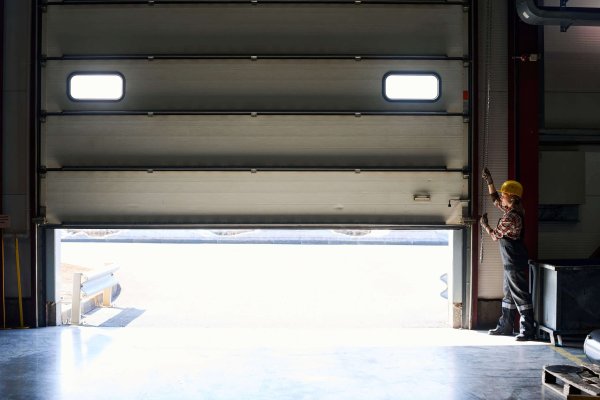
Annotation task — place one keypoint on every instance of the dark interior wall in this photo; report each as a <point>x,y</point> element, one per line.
<point>570,141</point>
<point>3,309</point>
<point>15,163</point>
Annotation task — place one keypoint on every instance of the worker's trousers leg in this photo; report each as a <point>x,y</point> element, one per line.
<point>516,293</point>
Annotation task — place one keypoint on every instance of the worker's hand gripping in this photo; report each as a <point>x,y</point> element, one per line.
<point>487,176</point>
<point>483,221</point>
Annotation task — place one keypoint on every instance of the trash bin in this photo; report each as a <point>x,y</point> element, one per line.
<point>566,297</point>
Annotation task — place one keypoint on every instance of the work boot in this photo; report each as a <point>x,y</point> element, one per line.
<point>504,330</point>
<point>505,323</point>
<point>527,329</point>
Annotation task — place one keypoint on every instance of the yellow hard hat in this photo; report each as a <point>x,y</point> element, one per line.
<point>512,187</point>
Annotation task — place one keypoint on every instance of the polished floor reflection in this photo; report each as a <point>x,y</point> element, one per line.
<point>161,363</point>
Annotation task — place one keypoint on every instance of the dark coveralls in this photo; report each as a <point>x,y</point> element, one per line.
<point>510,233</point>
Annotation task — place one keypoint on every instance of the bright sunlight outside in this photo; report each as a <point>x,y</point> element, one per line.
<point>266,278</point>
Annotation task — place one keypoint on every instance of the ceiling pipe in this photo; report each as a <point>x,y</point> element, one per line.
<point>532,14</point>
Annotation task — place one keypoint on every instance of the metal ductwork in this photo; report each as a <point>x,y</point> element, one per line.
<point>533,14</point>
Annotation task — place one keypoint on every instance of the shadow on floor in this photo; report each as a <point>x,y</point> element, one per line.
<point>123,318</point>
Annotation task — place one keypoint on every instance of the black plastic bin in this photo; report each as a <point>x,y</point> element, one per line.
<point>566,297</point>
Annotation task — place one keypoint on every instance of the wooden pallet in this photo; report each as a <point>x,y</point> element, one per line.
<point>573,382</point>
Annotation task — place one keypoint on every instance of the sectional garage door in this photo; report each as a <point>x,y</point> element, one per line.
<point>255,113</point>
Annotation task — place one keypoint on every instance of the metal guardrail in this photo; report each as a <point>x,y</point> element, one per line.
<point>88,285</point>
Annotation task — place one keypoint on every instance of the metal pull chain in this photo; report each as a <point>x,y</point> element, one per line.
<point>486,116</point>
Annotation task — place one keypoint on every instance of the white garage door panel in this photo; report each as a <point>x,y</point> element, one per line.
<point>255,85</point>
<point>262,141</point>
<point>294,90</point>
<point>262,197</point>
<point>349,29</point>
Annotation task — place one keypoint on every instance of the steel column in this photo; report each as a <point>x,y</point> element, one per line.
<point>524,71</point>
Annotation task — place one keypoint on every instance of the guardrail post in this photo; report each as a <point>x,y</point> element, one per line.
<point>106,296</point>
<point>76,300</point>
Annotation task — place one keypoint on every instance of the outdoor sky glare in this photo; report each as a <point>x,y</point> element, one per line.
<point>96,86</point>
<point>305,279</point>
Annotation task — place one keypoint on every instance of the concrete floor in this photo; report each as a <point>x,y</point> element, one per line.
<point>161,363</point>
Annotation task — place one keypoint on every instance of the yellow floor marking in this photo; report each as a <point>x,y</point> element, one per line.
<point>571,357</point>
